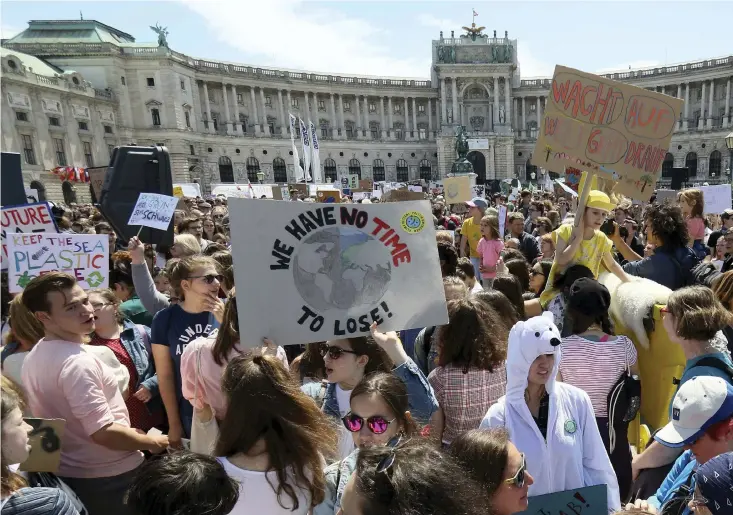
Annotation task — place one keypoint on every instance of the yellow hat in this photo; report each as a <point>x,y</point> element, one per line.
<point>599,200</point>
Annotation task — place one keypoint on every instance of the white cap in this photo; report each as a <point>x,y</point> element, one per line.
<point>701,402</point>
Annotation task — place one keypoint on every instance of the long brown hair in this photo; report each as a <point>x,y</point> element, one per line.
<point>392,390</point>
<point>266,403</point>
<point>10,401</point>
<point>484,454</point>
<point>378,359</point>
<point>228,334</point>
<point>474,337</point>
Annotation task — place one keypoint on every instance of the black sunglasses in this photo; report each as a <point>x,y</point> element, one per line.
<point>209,278</point>
<point>534,272</point>
<point>334,352</point>
<point>518,479</point>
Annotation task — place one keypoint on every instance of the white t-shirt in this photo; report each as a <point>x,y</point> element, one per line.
<point>346,441</point>
<point>257,497</point>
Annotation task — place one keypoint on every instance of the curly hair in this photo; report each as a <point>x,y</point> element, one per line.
<point>474,337</point>
<point>667,223</point>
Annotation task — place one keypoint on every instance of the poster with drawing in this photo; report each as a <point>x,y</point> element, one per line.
<point>457,190</point>
<point>618,131</point>
<point>325,271</point>
<point>28,218</point>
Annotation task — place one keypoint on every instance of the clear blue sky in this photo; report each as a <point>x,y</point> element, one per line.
<point>393,38</point>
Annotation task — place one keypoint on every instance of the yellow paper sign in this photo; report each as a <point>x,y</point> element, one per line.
<point>177,191</point>
<point>457,190</point>
<point>615,130</point>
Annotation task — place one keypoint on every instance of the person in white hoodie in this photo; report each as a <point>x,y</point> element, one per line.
<point>551,422</point>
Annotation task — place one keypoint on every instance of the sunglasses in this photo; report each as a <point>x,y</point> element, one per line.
<point>376,424</point>
<point>534,272</point>
<point>209,278</point>
<point>334,352</point>
<point>518,479</point>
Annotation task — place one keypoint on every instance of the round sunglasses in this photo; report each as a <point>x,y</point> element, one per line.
<point>518,479</point>
<point>376,424</point>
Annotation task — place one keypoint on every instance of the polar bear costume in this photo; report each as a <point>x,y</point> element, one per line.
<point>573,455</point>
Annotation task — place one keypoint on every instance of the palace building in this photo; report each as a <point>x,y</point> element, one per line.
<point>72,90</point>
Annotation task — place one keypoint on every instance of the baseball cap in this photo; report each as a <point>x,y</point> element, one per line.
<point>699,403</point>
<point>714,478</point>
<point>589,297</point>
<point>478,202</point>
<point>727,214</point>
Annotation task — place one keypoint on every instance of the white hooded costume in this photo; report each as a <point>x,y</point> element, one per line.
<point>573,455</point>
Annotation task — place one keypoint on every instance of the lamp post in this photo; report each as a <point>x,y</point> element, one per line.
<point>729,144</point>
<point>260,176</point>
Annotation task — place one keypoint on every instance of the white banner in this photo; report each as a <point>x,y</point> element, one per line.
<point>299,175</point>
<point>189,189</point>
<point>478,144</point>
<point>305,139</point>
<point>316,163</point>
<point>153,210</point>
<point>716,198</point>
<point>243,190</point>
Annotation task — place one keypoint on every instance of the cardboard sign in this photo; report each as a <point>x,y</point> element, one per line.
<point>96,179</point>
<point>28,218</point>
<point>667,196</point>
<point>301,188</point>
<point>45,440</point>
<point>590,500</point>
<point>153,210</point>
<point>277,193</point>
<point>601,126</point>
<point>85,256</point>
<point>366,184</point>
<point>333,269</point>
<point>717,198</point>
<point>329,196</point>
<point>457,190</point>
<point>402,196</point>
<point>573,177</point>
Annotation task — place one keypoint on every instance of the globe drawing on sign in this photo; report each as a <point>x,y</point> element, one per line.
<point>341,268</point>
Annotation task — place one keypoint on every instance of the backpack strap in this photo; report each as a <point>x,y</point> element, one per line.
<point>711,362</point>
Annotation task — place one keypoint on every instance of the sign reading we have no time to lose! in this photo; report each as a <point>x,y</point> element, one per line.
<point>598,125</point>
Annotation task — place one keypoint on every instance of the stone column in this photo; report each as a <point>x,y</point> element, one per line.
<point>415,130</point>
<point>382,123</point>
<point>255,118</point>
<point>334,120</point>
<point>283,121</point>
<point>515,119</point>
<point>508,102</point>
<point>454,106</point>
<point>678,125</point>
<point>237,125</point>
<point>209,121</point>
<point>710,108</point>
<point>265,126</point>
<point>430,119</point>
<point>367,134</point>
<point>685,121</point>
<point>495,118</point>
<point>390,112</point>
<point>290,105</point>
<point>358,117</point>
<point>727,107</point>
<point>701,121</point>
<point>342,126</point>
<point>443,113</point>
<point>230,129</point>
<point>523,130</point>
<point>539,115</point>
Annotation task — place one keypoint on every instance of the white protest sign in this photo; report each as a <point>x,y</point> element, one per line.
<point>361,195</point>
<point>85,256</point>
<point>717,198</point>
<point>416,189</point>
<point>189,189</point>
<point>153,210</point>
<point>31,195</point>
<point>502,220</point>
<point>28,218</point>
<point>232,190</point>
<point>326,271</point>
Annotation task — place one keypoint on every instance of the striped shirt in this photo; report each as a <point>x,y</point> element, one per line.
<point>595,366</point>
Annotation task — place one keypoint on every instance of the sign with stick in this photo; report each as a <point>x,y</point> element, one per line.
<point>28,218</point>
<point>153,210</point>
<point>85,256</point>
<point>617,131</point>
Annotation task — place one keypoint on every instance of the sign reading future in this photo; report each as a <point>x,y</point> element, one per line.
<point>325,271</point>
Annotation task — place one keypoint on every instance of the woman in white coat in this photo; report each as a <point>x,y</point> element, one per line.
<point>551,423</point>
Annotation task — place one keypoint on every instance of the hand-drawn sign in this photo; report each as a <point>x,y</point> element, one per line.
<point>45,440</point>
<point>28,218</point>
<point>601,126</point>
<point>590,500</point>
<point>153,210</point>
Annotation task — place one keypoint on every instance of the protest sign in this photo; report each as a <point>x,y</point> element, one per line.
<point>414,188</point>
<point>153,210</point>
<point>572,178</point>
<point>329,196</point>
<point>566,188</point>
<point>402,196</point>
<point>31,195</point>
<point>96,179</point>
<point>666,196</point>
<point>85,256</point>
<point>326,271</point>
<point>589,500</point>
<point>301,188</point>
<point>177,192</point>
<point>352,181</point>
<point>365,185</point>
<point>615,130</point>
<point>457,190</point>
<point>45,441</point>
<point>361,195</point>
<point>28,218</point>
<point>187,189</point>
<point>717,198</point>
<point>502,220</point>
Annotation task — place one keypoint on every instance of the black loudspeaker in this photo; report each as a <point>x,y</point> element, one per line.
<point>12,191</point>
<point>135,170</point>
<point>680,176</point>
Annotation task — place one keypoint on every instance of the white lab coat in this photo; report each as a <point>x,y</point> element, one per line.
<point>573,455</point>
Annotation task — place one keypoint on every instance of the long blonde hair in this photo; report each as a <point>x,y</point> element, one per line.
<point>188,243</point>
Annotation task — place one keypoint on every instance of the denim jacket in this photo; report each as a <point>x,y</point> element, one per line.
<point>337,475</point>
<point>422,399</point>
<point>137,346</point>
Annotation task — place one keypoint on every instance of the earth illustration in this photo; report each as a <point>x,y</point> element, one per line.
<point>341,268</point>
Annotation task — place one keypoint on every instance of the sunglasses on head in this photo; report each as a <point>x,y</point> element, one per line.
<point>376,424</point>
<point>208,278</point>
<point>518,479</point>
<point>334,352</point>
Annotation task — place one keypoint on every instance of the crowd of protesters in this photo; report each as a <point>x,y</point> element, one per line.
<point>169,409</point>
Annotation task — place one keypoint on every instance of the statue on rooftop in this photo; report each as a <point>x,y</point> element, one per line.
<point>162,32</point>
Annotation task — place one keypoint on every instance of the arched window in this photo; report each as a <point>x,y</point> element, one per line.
<point>426,170</point>
<point>355,167</point>
<point>691,164</point>
<point>667,165</point>
<point>226,172</point>
<point>329,170</point>
<point>253,166</point>
<point>279,170</point>
<point>378,170</point>
<point>402,172</point>
<point>40,188</point>
<point>714,163</point>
